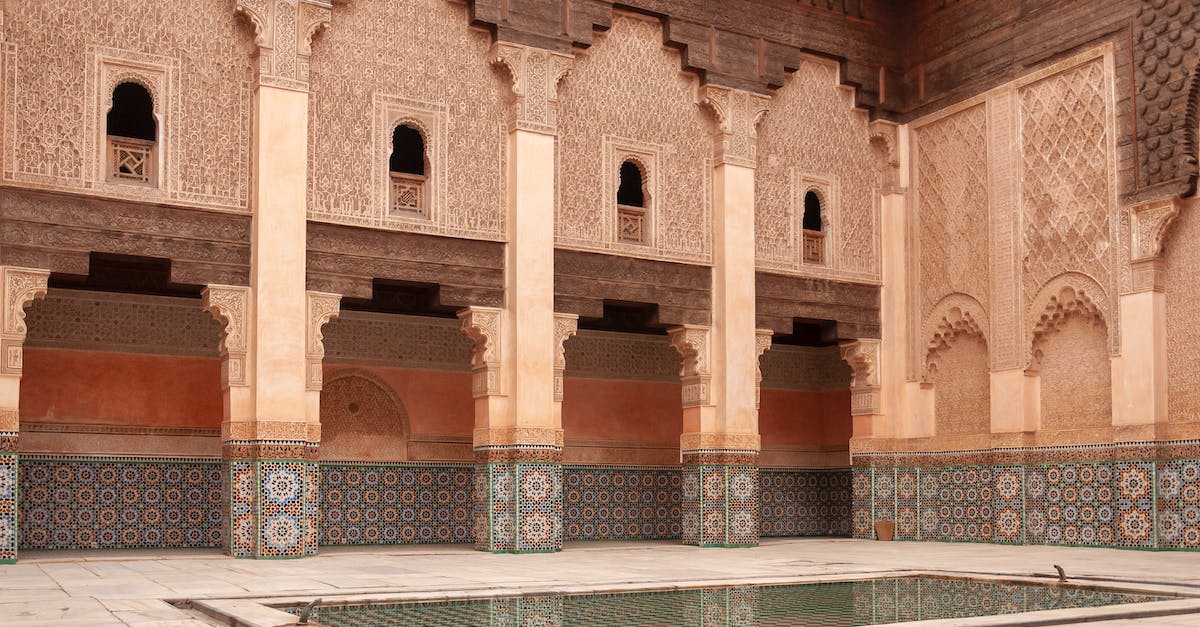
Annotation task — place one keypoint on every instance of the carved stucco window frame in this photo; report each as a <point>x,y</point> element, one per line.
<point>428,119</point>
<point>159,75</point>
<point>649,158</point>
<point>828,191</point>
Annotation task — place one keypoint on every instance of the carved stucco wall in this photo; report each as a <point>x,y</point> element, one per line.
<point>805,368</point>
<point>627,96</point>
<point>962,399</point>
<point>125,323</point>
<point>1181,284</point>
<point>1076,376</point>
<point>815,138</point>
<point>407,61</point>
<point>362,420</point>
<point>60,61</point>
<point>1015,200</point>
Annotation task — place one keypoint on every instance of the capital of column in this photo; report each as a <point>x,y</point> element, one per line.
<point>863,357</point>
<point>762,344</point>
<point>694,343</point>
<point>21,287</point>
<point>535,74</point>
<point>283,31</point>
<point>1149,225</point>
<point>230,305</point>
<point>322,307</point>
<point>884,137</point>
<point>738,113</point>
<point>482,325</point>
<point>565,326</point>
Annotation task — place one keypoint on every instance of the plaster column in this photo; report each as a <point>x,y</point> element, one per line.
<point>21,286</point>
<point>720,443</point>
<point>518,422</point>
<point>269,445</point>
<point>1140,373</point>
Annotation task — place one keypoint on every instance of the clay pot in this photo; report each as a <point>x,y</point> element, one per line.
<point>885,530</point>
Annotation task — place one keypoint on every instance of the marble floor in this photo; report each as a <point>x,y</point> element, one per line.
<point>142,587</point>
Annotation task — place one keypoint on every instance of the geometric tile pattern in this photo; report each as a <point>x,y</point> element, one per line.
<point>1119,504</point>
<point>621,503</point>
<point>1179,504</point>
<point>395,503</point>
<point>720,505</point>
<point>273,508</point>
<point>804,502</point>
<point>841,604</point>
<point>88,503</point>
<point>518,507</point>
<point>8,508</point>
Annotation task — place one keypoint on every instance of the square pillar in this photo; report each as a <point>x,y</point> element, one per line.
<point>720,499</point>
<point>18,288</point>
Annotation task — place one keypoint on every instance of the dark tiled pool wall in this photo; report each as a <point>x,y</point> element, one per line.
<point>1116,503</point>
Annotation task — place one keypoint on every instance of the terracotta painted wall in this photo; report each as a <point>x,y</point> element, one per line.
<point>438,402</point>
<point>796,418</point>
<point>68,386</point>
<point>627,411</point>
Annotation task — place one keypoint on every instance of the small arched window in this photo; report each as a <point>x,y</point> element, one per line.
<point>132,134</point>
<point>631,204</point>
<point>814,227</point>
<point>407,167</point>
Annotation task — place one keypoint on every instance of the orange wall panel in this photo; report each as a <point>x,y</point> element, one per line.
<point>794,418</point>
<point>438,402</point>
<point>67,386</point>
<point>637,411</point>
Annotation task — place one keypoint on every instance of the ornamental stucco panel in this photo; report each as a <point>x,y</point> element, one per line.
<point>59,72</point>
<point>1181,283</point>
<point>627,89</point>
<point>1076,390</point>
<point>418,62</point>
<point>813,132</point>
<point>1067,200</point>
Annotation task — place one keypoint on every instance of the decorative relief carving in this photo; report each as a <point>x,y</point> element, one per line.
<point>1066,190</point>
<point>814,129</point>
<point>322,308</point>
<point>1165,38</point>
<point>629,85</point>
<point>425,50</point>
<point>1146,227</point>
<point>429,119</point>
<point>482,325</point>
<point>956,315</point>
<point>58,64</point>
<point>805,368</point>
<point>283,32</point>
<point>961,386</point>
<point>623,356</point>
<point>647,156</point>
<point>397,341</point>
<point>128,323</point>
<point>1066,296</point>
<point>885,149</point>
<point>362,419</point>
<point>230,305</point>
<point>565,325</point>
<point>21,287</point>
<point>693,344</point>
<point>863,357</point>
<point>535,74</point>
<point>738,113</point>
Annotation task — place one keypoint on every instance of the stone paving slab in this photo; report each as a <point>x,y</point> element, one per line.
<point>50,588</point>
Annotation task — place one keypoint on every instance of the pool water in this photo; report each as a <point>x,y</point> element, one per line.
<point>870,602</point>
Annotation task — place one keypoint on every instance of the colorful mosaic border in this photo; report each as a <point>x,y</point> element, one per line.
<point>804,502</point>
<point>9,487</point>
<point>518,507</point>
<point>90,503</point>
<point>621,503</point>
<point>720,505</point>
<point>272,510</point>
<point>395,503</point>
<point>1114,503</point>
